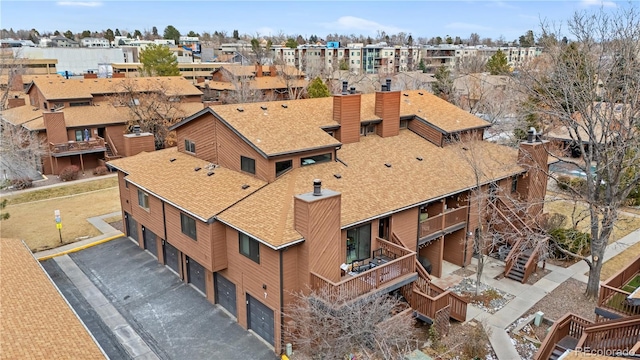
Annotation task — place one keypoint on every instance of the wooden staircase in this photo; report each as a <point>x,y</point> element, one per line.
<point>111,153</point>
<point>517,271</point>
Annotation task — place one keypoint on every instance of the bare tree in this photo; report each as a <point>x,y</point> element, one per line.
<point>591,90</point>
<point>293,80</point>
<point>154,109</point>
<point>21,152</point>
<point>323,326</point>
<point>244,90</point>
<point>11,65</point>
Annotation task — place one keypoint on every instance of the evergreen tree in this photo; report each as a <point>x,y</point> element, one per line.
<point>443,86</point>
<point>291,43</point>
<point>158,60</point>
<point>68,34</point>
<point>193,34</point>
<point>498,64</point>
<point>109,35</point>
<point>422,66</point>
<point>236,35</point>
<point>85,34</point>
<point>117,33</point>
<point>317,89</point>
<point>171,32</point>
<point>137,34</point>
<point>154,31</point>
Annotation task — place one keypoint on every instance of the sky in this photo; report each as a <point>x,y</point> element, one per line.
<point>493,19</point>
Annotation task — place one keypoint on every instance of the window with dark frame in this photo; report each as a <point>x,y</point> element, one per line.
<point>79,135</point>
<point>143,199</point>
<point>283,166</point>
<point>315,159</point>
<point>404,124</point>
<point>188,225</point>
<point>249,247</point>
<point>247,164</point>
<point>514,184</point>
<point>189,146</point>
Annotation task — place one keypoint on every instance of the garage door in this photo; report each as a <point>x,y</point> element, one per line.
<point>260,319</point>
<point>150,241</point>
<point>171,257</point>
<point>132,226</point>
<point>225,293</point>
<point>196,274</point>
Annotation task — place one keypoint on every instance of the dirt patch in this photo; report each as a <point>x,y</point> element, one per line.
<point>464,272</point>
<point>465,341</point>
<point>489,299</point>
<point>117,225</point>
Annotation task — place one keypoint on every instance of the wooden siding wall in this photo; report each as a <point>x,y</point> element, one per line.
<point>426,131</point>
<point>151,219</point>
<point>346,111</point>
<point>218,246</point>
<point>454,247</point>
<point>433,252</point>
<point>56,127</point>
<point>116,132</point>
<point>405,225</point>
<point>199,250</point>
<point>320,226</point>
<point>250,277</point>
<point>59,164</point>
<point>134,145</point>
<point>202,132</point>
<point>470,135</point>
<point>230,147</point>
<point>296,160</point>
<point>533,157</point>
<point>89,161</point>
<point>387,107</point>
<point>290,283</point>
<point>125,197</point>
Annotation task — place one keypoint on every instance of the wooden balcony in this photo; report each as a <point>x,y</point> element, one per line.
<point>451,220</point>
<point>566,330</point>
<point>619,295</point>
<point>388,276</point>
<point>77,147</point>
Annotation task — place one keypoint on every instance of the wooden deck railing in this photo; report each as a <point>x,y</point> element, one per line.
<point>112,146</point>
<point>424,286</point>
<point>455,216</point>
<point>511,258</point>
<point>568,325</point>
<point>532,262</point>
<point>77,146</point>
<point>615,300</point>
<point>613,335</point>
<point>392,250</point>
<point>431,225</point>
<point>428,305</point>
<point>366,281</point>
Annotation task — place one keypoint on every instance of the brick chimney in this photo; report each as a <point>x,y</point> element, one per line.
<point>138,142</point>
<point>273,71</point>
<point>533,157</point>
<point>258,69</point>
<point>388,109</point>
<point>118,75</point>
<point>90,76</point>
<point>16,82</point>
<point>317,219</point>
<point>346,112</point>
<point>15,101</point>
<point>56,126</point>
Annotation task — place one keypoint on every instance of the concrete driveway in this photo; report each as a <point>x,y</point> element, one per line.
<point>172,318</point>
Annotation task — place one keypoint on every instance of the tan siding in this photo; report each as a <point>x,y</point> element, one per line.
<point>124,194</point>
<point>301,216</point>
<point>405,225</point>
<point>290,284</point>
<point>346,111</point>
<point>134,145</point>
<point>433,252</point>
<point>231,147</point>
<point>151,219</point>
<point>454,247</point>
<point>116,133</point>
<point>387,107</point>
<point>56,127</point>
<point>249,278</point>
<point>199,250</point>
<point>323,238</point>
<point>426,131</point>
<point>202,132</point>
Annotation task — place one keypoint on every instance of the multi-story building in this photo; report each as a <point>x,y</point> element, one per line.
<point>82,123</point>
<point>61,41</point>
<point>450,56</point>
<point>344,194</point>
<point>95,42</point>
<point>192,71</point>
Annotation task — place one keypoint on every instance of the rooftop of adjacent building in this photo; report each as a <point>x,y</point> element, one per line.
<point>35,320</point>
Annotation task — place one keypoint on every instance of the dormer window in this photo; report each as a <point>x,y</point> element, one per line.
<point>367,129</point>
<point>315,159</point>
<point>189,146</point>
<point>404,124</point>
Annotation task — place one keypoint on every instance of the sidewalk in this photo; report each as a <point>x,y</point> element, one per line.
<point>526,296</point>
<point>56,183</point>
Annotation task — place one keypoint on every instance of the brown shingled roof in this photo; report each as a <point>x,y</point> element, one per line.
<point>36,322</point>
<point>21,114</point>
<point>178,183</point>
<point>368,187</point>
<point>85,88</point>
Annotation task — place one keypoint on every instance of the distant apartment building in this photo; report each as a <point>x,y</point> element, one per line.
<point>9,43</point>
<point>61,41</point>
<point>94,42</point>
<point>450,56</point>
<point>71,61</point>
<point>192,71</point>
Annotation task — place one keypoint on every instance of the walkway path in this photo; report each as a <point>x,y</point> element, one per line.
<point>526,296</point>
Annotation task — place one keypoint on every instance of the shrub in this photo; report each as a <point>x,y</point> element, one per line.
<point>572,240</point>
<point>554,221</point>
<point>579,184</point>
<point>100,170</point>
<point>21,183</point>
<point>563,182</point>
<point>69,173</point>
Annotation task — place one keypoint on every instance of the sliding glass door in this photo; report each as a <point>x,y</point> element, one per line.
<point>359,243</point>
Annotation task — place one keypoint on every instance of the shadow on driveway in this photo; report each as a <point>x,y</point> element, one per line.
<point>174,319</point>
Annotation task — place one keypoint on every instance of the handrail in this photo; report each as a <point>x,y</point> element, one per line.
<point>624,275</point>
<point>58,148</point>
<point>455,216</point>
<point>510,260</point>
<point>396,240</point>
<point>512,211</point>
<point>567,325</point>
<point>113,147</point>
<point>505,218</point>
<point>403,251</point>
<point>618,334</point>
<point>532,261</point>
<point>431,225</point>
<point>615,299</point>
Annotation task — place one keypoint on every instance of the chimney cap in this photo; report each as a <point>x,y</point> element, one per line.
<point>345,85</point>
<point>352,90</point>
<point>317,187</point>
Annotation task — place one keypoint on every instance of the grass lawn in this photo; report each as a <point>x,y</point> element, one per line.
<point>623,227</point>
<point>32,220</point>
<point>618,262</point>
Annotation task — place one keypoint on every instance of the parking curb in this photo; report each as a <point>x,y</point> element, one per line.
<point>80,247</point>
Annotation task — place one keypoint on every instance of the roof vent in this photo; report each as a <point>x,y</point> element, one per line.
<point>419,158</point>
<point>345,86</point>
<point>197,168</point>
<point>337,176</point>
<point>210,173</point>
<point>405,94</point>
<point>263,108</point>
<point>240,109</point>
<point>317,187</point>
<point>172,159</point>
<point>383,88</point>
<point>285,106</point>
<point>352,90</point>
<point>245,186</point>
<point>420,93</point>
<point>387,165</point>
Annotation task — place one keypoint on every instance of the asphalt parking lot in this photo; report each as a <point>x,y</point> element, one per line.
<point>172,318</point>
